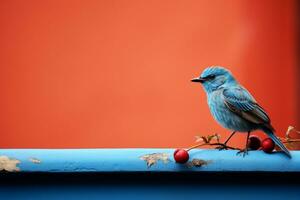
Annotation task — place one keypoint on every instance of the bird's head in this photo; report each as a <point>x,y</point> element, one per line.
<point>212,78</point>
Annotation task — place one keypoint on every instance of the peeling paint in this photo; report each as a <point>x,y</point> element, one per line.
<point>9,164</point>
<point>198,163</point>
<point>152,159</point>
<point>35,160</point>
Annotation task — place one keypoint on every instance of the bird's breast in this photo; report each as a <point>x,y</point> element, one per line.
<point>224,116</point>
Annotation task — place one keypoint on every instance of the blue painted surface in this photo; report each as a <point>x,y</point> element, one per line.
<point>128,160</point>
<point>143,185</point>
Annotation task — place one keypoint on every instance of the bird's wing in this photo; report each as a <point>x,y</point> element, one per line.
<point>240,101</point>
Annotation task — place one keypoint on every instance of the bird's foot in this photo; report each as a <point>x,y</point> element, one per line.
<point>242,152</point>
<point>222,147</point>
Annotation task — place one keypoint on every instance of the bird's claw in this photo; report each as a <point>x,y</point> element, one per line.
<point>221,147</point>
<point>242,152</point>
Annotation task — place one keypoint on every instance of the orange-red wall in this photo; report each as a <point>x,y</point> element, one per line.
<point>116,73</point>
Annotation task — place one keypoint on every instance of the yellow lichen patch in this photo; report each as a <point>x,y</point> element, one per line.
<point>9,164</point>
<point>152,159</point>
<point>35,160</point>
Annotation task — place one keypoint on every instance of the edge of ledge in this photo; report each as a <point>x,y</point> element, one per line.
<point>143,160</point>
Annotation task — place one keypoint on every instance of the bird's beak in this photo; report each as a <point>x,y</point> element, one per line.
<point>198,79</point>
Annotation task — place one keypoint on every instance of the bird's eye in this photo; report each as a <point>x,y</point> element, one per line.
<point>211,77</point>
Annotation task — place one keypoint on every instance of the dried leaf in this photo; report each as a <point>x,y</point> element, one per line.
<point>218,137</point>
<point>198,139</point>
<point>197,163</point>
<point>212,137</point>
<point>205,140</point>
<point>291,129</point>
<point>208,139</point>
<point>9,164</point>
<point>290,145</point>
<point>152,159</point>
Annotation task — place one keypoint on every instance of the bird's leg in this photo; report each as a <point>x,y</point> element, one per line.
<point>229,137</point>
<point>221,147</point>
<point>245,150</point>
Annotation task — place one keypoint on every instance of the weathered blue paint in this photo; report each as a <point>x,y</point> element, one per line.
<point>225,184</point>
<point>128,160</point>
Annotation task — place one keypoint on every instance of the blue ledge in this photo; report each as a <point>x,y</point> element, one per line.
<point>135,160</point>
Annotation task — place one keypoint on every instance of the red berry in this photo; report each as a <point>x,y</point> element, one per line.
<point>181,156</point>
<point>268,145</point>
<point>254,142</point>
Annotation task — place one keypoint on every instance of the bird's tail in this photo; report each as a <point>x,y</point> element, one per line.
<point>277,141</point>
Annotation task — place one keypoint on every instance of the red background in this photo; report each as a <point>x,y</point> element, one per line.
<point>116,73</point>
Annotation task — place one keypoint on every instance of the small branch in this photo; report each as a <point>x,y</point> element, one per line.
<point>213,144</point>
<point>224,145</point>
<point>206,141</point>
<point>290,141</point>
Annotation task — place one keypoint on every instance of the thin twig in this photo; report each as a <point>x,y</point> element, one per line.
<point>206,142</point>
<point>213,144</point>
<point>288,140</point>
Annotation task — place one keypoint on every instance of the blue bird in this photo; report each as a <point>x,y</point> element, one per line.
<point>233,107</point>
